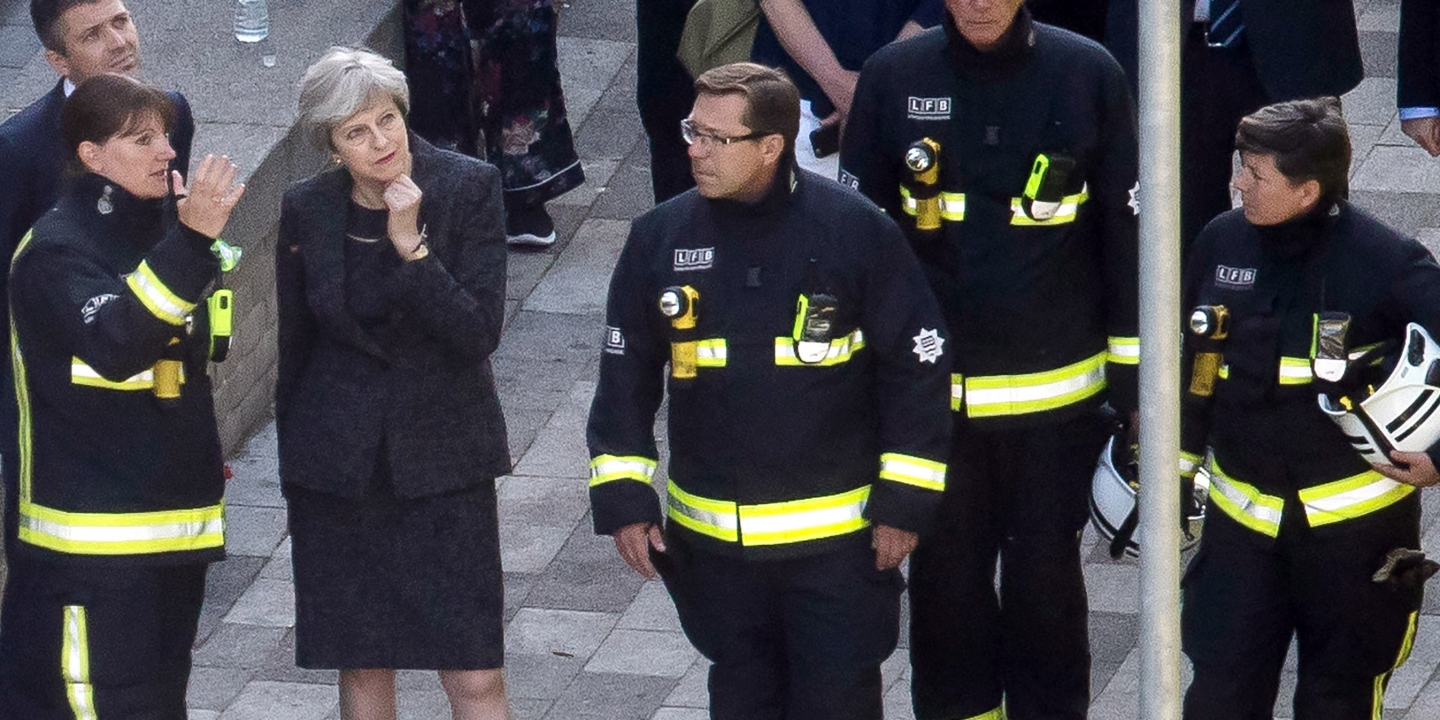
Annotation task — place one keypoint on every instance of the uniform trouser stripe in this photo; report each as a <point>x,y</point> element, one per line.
<point>1382,680</point>
<point>75,663</point>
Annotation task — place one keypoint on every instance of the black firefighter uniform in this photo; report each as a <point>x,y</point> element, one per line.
<point>808,390</point>
<point>1013,175</point>
<point>1298,521</point>
<point>119,488</point>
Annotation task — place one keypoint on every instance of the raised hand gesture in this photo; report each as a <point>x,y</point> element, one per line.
<point>206,205</point>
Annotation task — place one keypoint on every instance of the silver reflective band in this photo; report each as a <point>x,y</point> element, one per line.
<point>797,524</point>
<point>122,533</point>
<point>915,471</point>
<point>1025,394</point>
<point>1125,350</point>
<point>605,468</point>
<point>156,297</point>
<point>711,353</point>
<point>1260,513</point>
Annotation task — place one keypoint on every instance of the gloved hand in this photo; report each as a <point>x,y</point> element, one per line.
<point>1405,571</point>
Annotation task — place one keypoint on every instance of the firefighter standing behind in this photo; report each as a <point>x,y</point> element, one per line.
<point>1289,293</point>
<point>120,471</point>
<point>1006,150</point>
<point>807,422</point>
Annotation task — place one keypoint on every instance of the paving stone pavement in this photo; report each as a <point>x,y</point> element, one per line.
<point>587,638</point>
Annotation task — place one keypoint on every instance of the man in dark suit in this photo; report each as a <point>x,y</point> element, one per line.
<point>1240,55</point>
<point>82,38</point>
<point>1418,86</point>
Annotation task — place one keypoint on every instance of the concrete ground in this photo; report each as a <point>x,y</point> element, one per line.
<point>586,637</point>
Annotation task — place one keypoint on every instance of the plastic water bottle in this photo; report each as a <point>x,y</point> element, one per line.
<point>252,20</point>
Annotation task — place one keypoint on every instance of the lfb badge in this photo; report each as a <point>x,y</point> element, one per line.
<point>929,346</point>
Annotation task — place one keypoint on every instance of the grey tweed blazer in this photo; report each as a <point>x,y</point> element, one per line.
<point>424,389</point>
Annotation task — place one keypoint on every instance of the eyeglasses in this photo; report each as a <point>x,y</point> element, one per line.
<point>692,136</point>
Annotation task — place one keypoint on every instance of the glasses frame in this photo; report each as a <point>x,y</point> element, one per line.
<point>693,136</point>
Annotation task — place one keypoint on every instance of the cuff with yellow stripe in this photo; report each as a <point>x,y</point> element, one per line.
<point>609,468</point>
<point>914,471</point>
<point>171,279</point>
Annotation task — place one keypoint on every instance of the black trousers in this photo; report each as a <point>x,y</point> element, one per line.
<point>1245,597</point>
<point>111,640</point>
<point>1020,495</point>
<point>798,639</point>
<point>1219,87</point>
<point>664,93</point>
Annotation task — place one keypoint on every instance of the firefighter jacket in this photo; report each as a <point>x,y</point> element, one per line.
<point>104,287</point>
<point>1274,449</point>
<point>1031,249</point>
<point>778,448</point>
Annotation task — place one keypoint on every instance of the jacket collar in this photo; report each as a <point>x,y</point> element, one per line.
<point>140,221</point>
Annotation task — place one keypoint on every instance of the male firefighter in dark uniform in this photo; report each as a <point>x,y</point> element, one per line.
<point>808,419</point>
<point>1006,150</point>
<point>1293,298</point>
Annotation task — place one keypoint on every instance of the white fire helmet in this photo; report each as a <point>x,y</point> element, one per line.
<point>1401,413</point>
<point>1113,503</point>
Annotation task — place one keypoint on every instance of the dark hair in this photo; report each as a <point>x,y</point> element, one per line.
<point>112,105</point>
<point>1308,139</point>
<point>772,102</point>
<point>46,14</point>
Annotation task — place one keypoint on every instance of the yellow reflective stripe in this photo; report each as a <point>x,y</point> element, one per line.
<point>952,205</point>
<point>1244,503</point>
<point>122,533</point>
<point>800,520</point>
<point>994,395</point>
<point>1351,497</point>
<point>1189,464</point>
<point>1295,371</point>
<point>1125,350</point>
<point>75,663</point>
<point>769,523</point>
<point>711,353</point>
<point>1224,372</point>
<point>957,391</point>
<point>22,385</point>
<point>162,303</point>
<point>1069,208</point>
<point>715,518</point>
<point>997,714</point>
<point>841,349</point>
<point>605,468</point>
<point>1377,704</point>
<point>912,470</point>
<point>83,374</point>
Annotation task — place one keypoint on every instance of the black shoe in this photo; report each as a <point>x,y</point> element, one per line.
<point>529,226</point>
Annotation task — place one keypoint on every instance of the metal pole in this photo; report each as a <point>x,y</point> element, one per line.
<point>1159,55</point>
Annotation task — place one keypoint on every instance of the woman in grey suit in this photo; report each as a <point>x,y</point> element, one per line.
<point>391,284</point>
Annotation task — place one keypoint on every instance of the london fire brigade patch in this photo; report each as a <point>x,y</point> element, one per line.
<point>929,108</point>
<point>929,346</point>
<point>614,340</point>
<point>93,305</point>
<point>687,259</point>
<point>1232,278</point>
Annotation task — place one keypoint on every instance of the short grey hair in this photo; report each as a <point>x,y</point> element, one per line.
<point>343,82</point>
